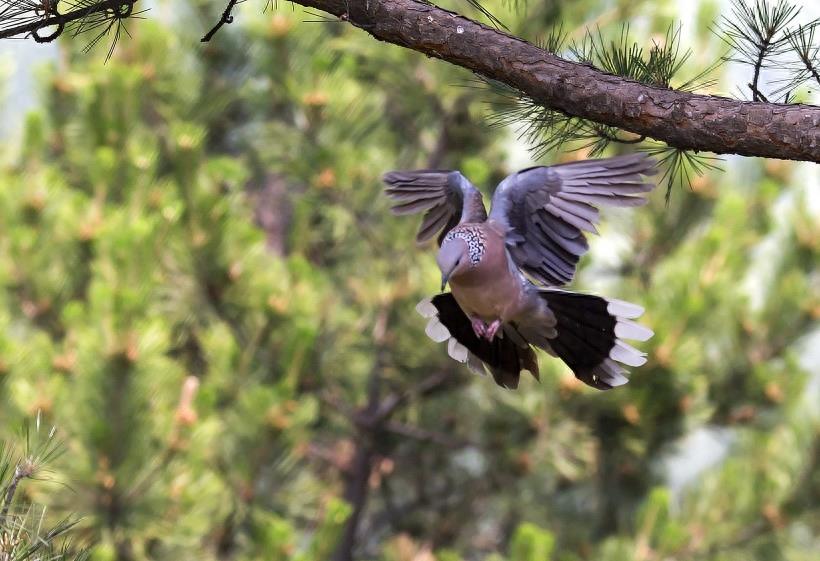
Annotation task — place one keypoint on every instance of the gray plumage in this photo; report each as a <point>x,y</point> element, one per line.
<point>446,197</point>
<point>504,268</point>
<point>546,210</point>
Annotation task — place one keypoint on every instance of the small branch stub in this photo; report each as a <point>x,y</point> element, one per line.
<point>227,17</point>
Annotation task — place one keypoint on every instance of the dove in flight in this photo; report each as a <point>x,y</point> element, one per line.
<point>505,270</point>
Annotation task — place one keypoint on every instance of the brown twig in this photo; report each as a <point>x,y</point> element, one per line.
<point>227,17</point>
<point>21,471</point>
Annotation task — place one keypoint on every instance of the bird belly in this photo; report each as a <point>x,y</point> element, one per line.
<point>489,298</point>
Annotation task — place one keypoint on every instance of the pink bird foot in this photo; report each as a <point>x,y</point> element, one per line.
<point>492,329</point>
<point>479,327</point>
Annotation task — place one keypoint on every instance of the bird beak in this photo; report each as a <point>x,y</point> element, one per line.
<point>444,278</point>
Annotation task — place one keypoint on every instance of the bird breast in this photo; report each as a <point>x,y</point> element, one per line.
<point>489,290</point>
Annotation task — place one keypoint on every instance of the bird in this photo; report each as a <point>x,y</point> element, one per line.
<point>507,269</point>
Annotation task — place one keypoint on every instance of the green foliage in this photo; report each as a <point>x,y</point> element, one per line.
<point>203,288</point>
<point>625,57</point>
<point>26,532</point>
<point>531,543</point>
<point>681,167</point>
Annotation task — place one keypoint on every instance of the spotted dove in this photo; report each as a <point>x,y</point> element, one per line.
<point>505,269</point>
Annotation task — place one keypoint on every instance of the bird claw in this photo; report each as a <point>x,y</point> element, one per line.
<point>479,327</point>
<point>492,329</point>
<point>483,330</point>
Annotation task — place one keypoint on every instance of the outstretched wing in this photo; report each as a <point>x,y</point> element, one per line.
<point>446,198</point>
<point>544,211</point>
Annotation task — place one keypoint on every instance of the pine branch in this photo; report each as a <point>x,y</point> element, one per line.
<point>35,24</point>
<point>11,490</point>
<point>681,119</point>
<point>802,42</point>
<point>547,130</point>
<point>756,34</point>
<point>646,108</point>
<point>36,455</point>
<point>489,15</point>
<point>680,166</point>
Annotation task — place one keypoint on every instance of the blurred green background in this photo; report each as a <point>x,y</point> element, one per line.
<point>203,289</point>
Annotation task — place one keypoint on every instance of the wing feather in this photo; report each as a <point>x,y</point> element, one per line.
<point>446,197</point>
<point>576,245</point>
<point>400,196</point>
<point>545,211</point>
<point>433,221</point>
<point>554,208</point>
<point>413,206</point>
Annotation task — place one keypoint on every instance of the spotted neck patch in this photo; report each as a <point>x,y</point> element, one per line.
<point>473,237</point>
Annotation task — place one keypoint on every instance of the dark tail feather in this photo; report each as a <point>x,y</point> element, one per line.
<point>588,336</point>
<point>504,358</point>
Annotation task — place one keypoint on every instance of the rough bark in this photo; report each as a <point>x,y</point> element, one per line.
<point>680,119</point>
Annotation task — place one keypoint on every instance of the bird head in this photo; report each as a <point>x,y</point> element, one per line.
<point>453,259</point>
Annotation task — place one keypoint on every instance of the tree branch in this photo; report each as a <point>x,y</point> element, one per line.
<point>227,17</point>
<point>680,119</point>
<point>418,433</point>
<point>356,487</point>
<point>392,402</point>
<point>34,26</point>
<point>19,475</point>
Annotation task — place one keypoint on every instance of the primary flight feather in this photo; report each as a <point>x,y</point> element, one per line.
<point>505,269</point>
